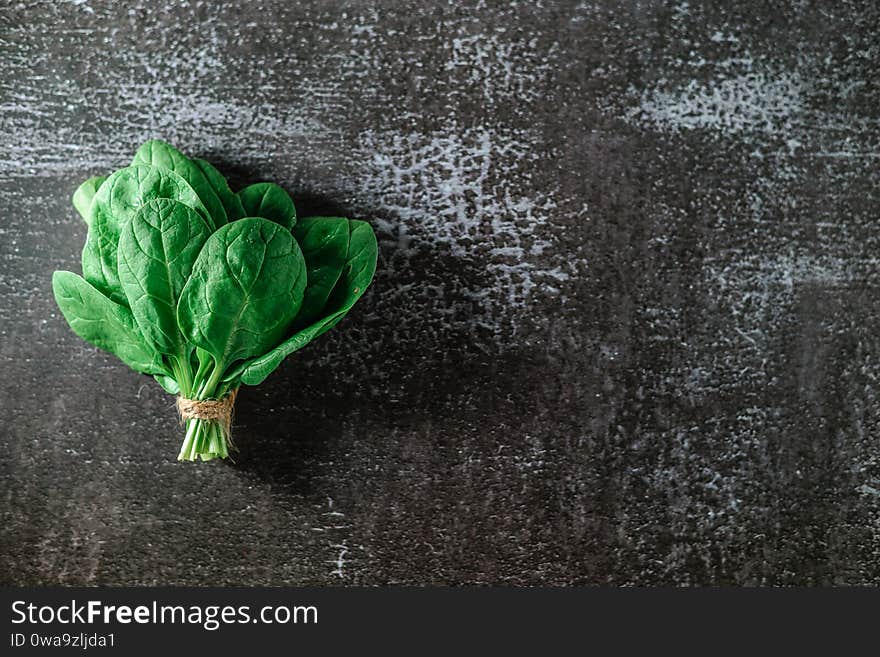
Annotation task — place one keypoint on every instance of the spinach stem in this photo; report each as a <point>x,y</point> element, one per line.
<point>204,439</point>
<point>182,372</point>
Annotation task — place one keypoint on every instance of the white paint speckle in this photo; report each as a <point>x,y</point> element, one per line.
<point>755,101</point>
<point>449,190</point>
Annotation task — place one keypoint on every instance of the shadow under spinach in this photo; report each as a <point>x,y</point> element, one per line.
<point>401,356</point>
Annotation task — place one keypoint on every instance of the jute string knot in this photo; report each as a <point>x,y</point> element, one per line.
<point>219,410</point>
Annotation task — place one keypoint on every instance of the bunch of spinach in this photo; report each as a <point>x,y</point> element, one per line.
<point>202,288</point>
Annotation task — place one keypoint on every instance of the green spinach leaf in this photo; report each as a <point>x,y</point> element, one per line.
<point>82,197</point>
<point>158,153</point>
<point>245,290</point>
<point>114,205</point>
<point>229,199</point>
<point>169,383</point>
<point>157,250</point>
<point>103,323</point>
<point>324,243</point>
<point>269,201</point>
<point>357,273</point>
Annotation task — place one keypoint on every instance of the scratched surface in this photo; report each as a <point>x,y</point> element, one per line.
<point>624,328</point>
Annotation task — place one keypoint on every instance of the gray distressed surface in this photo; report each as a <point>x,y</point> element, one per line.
<point>624,328</point>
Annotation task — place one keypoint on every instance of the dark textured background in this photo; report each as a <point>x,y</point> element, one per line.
<point>623,329</point>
